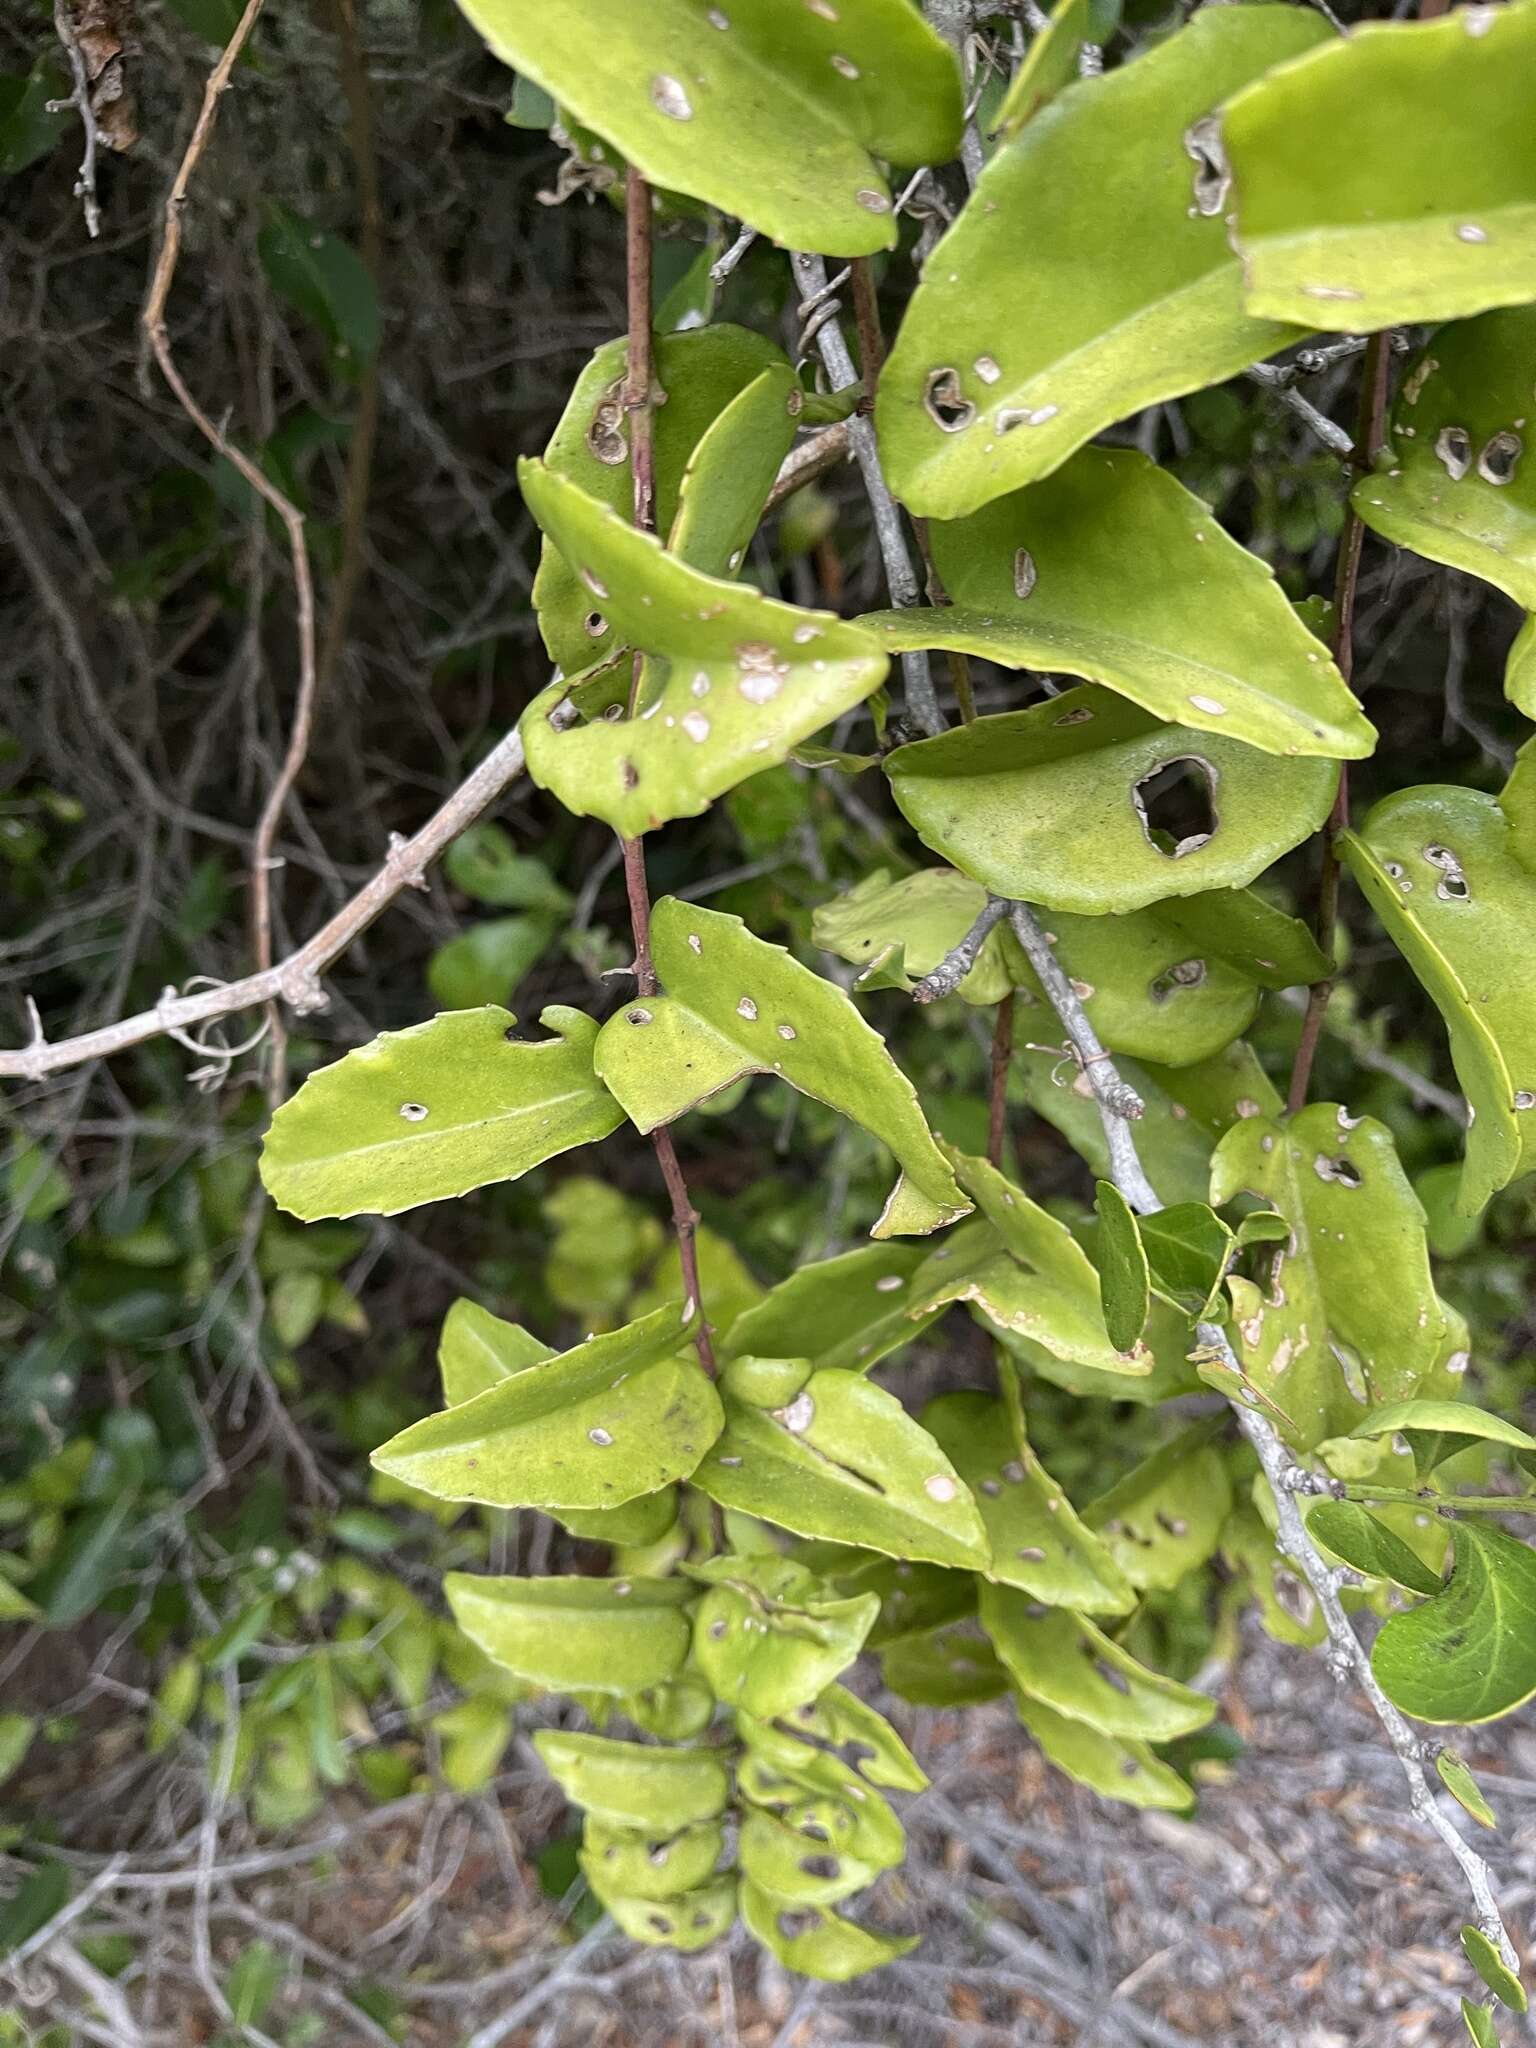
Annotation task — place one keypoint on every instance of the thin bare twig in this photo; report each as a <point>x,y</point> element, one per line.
<point>957,963</point>
<point>80,99</point>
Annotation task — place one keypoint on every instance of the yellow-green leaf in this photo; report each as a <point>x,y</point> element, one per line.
<point>1469,1654</point>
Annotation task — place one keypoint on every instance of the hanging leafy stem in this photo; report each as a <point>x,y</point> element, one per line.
<point>772,1512</point>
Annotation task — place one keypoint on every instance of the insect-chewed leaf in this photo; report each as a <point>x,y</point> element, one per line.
<point>1431,214</point>
<point>707,374</point>
<point>1347,1314</point>
<point>1362,1540</point>
<point>845,1461</point>
<point>1125,1279</point>
<point>1049,64</point>
<point>831,1948</point>
<point>1111,570</point>
<point>637,1863</point>
<point>784,1774</point>
<point>577,1635</point>
<point>1241,927</point>
<point>619,1416</point>
<point>477,1349</point>
<point>631,1784</point>
<point>737,681</point>
<point>1065,804</point>
<point>431,1112</point>
<point>794,1868</point>
<point>689,1921</point>
<point>1436,1430</point>
<point>1469,1654</point>
<point>1116,1766</point>
<point>914,1598</point>
<point>1038,1542</point>
<point>1073,1668</point>
<point>951,1666</point>
<point>1164,1517</point>
<point>1461,485</point>
<point>844,1722</point>
<point>770,1637</point>
<point>852,1311</point>
<point>1439,867</point>
<point>1044,315</point>
<point>737,1005</point>
<point>777,128</point>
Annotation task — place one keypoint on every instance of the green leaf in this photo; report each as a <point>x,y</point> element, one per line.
<point>28,130</point>
<point>14,1604</point>
<point>1164,1518</point>
<point>704,374</point>
<point>1287,1606</point>
<point>486,963</point>
<point>1124,1276</point>
<point>794,1867</point>
<point>252,1982</point>
<point>1479,2023</point>
<point>474,1735</point>
<point>1049,64</point>
<point>531,106</point>
<point>1460,487</point>
<point>323,278</point>
<point>853,1310</point>
<point>636,1863</point>
<point>576,1635</point>
<point>1428,215</point>
<point>690,1921</point>
<point>1463,1787</point>
<point>1047,314</point>
<point>1187,1248</point>
<point>1038,1542</point>
<point>484,863</point>
<point>913,1597</point>
<point>616,1417</point>
<point>477,1350</point>
<point>1249,933</point>
<point>1347,1314</point>
<point>1116,1767</point>
<point>1436,1430</point>
<point>770,1637</point>
<point>1067,1664</point>
<point>1111,570</point>
<point>1492,1968</point>
<point>1469,1654</point>
<point>776,129</point>
<point>1439,866</point>
<point>952,1666</point>
<point>737,1005</point>
<point>738,681</point>
<point>1361,1539</point>
<point>832,1949</point>
<point>842,1721</point>
<point>16,1732</point>
<point>846,1462</point>
<point>909,924</point>
<point>92,1557</point>
<point>781,1773</point>
<point>44,1892</point>
<point>428,1113</point>
<point>630,1785</point>
<point>1051,804</point>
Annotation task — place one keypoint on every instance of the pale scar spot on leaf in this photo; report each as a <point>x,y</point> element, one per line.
<point>845,65</point>
<point>700,684</point>
<point>669,98</point>
<point>1525,1098</point>
<point>798,1416</point>
<point>1343,1172</point>
<point>1013,1472</point>
<point>1082,716</point>
<point>695,942</point>
<point>637,1016</point>
<point>940,1487</point>
<point>1011,416</point>
<point>1213,177</point>
<point>787,1031</point>
<point>748,1009</point>
<point>718,20</point>
<point>986,369</point>
<point>803,634</point>
<point>871,201</point>
<point>1331,291</point>
<point>1024,573</point>
<point>413,1112</point>
<point>1453,445</point>
<point>822,7</point>
<point>601,1437</point>
<point>696,725</point>
<point>1458,1362</point>
<point>1212,706</point>
<point>1469,231</point>
<point>888,1283</point>
<point>594,583</point>
<point>1031,1553</point>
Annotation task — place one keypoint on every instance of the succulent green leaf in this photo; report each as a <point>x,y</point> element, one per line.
<point>909,924</point>
<point>1038,1542</point>
<point>1469,1654</point>
<point>737,1005</point>
<point>1347,1314</point>
<point>1045,315</point>
<point>1240,927</point>
<point>1287,1606</point>
<point>1067,1664</point>
<point>1051,804</point>
<point>1363,1540</point>
<point>1117,1767</point>
<point>1436,1430</point>
<point>1492,1968</point>
<point>1187,1247</point>
<point>1479,2024</point>
<point>1125,1278</point>
<point>952,1666</point>
<point>619,1416</point>
<point>845,1461</point>
<point>794,1867</point>
<point>740,679</point>
<point>635,1863</point>
<point>1109,569</point>
<point>1430,214</point>
<point>707,374</point>
<point>913,1597</point>
<point>779,129</point>
<point>486,962</point>
<point>852,1310</point>
<point>764,1382</point>
<point>1460,486</point>
<point>485,864</point>
<point>769,1636</point>
<point>1440,867</point>
<point>833,1949</point>
<point>782,1773</point>
<point>634,1785</point>
<point>576,1635</point>
<point>1464,1788</point>
<point>691,1920</point>
<point>431,1112</point>
<point>1049,64</point>
<point>477,1349</point>
<point>842,1721</point>
<point>1164,1518</point>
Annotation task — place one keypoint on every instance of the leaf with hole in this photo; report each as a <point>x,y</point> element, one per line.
<point>1164,1518</point>
<point>738,680</point>
<point>1087,803</point>
<point>1436,1430</point>
<point>844,1461</point>
<point>1439,865</point>
<point>737,1005</point>
<point>842,1721</point>
<point>769,1636</point>
<point>1115,1766</point>
<point>1430,214</point>
<point>431,1112</point>
<point>1287,1606</point>
<point>1346,1313</point>
<point>638,1863</point>
<point>707,374</point>
<point>1484,1957</point>
<point>1067,1664</point>
<point>829,1948</point>
<point>1360,1539</point>
<point>796,1868</point>
<point>777,127</point>
<point>619,1416</point>
<point>951,1666</point>
<point>1109,569</point>
<point>1469,1654</point>
<point>1045,315</point>
<point>852,1310</point>
<point>690,1921</point>
<point>573,1634</point>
